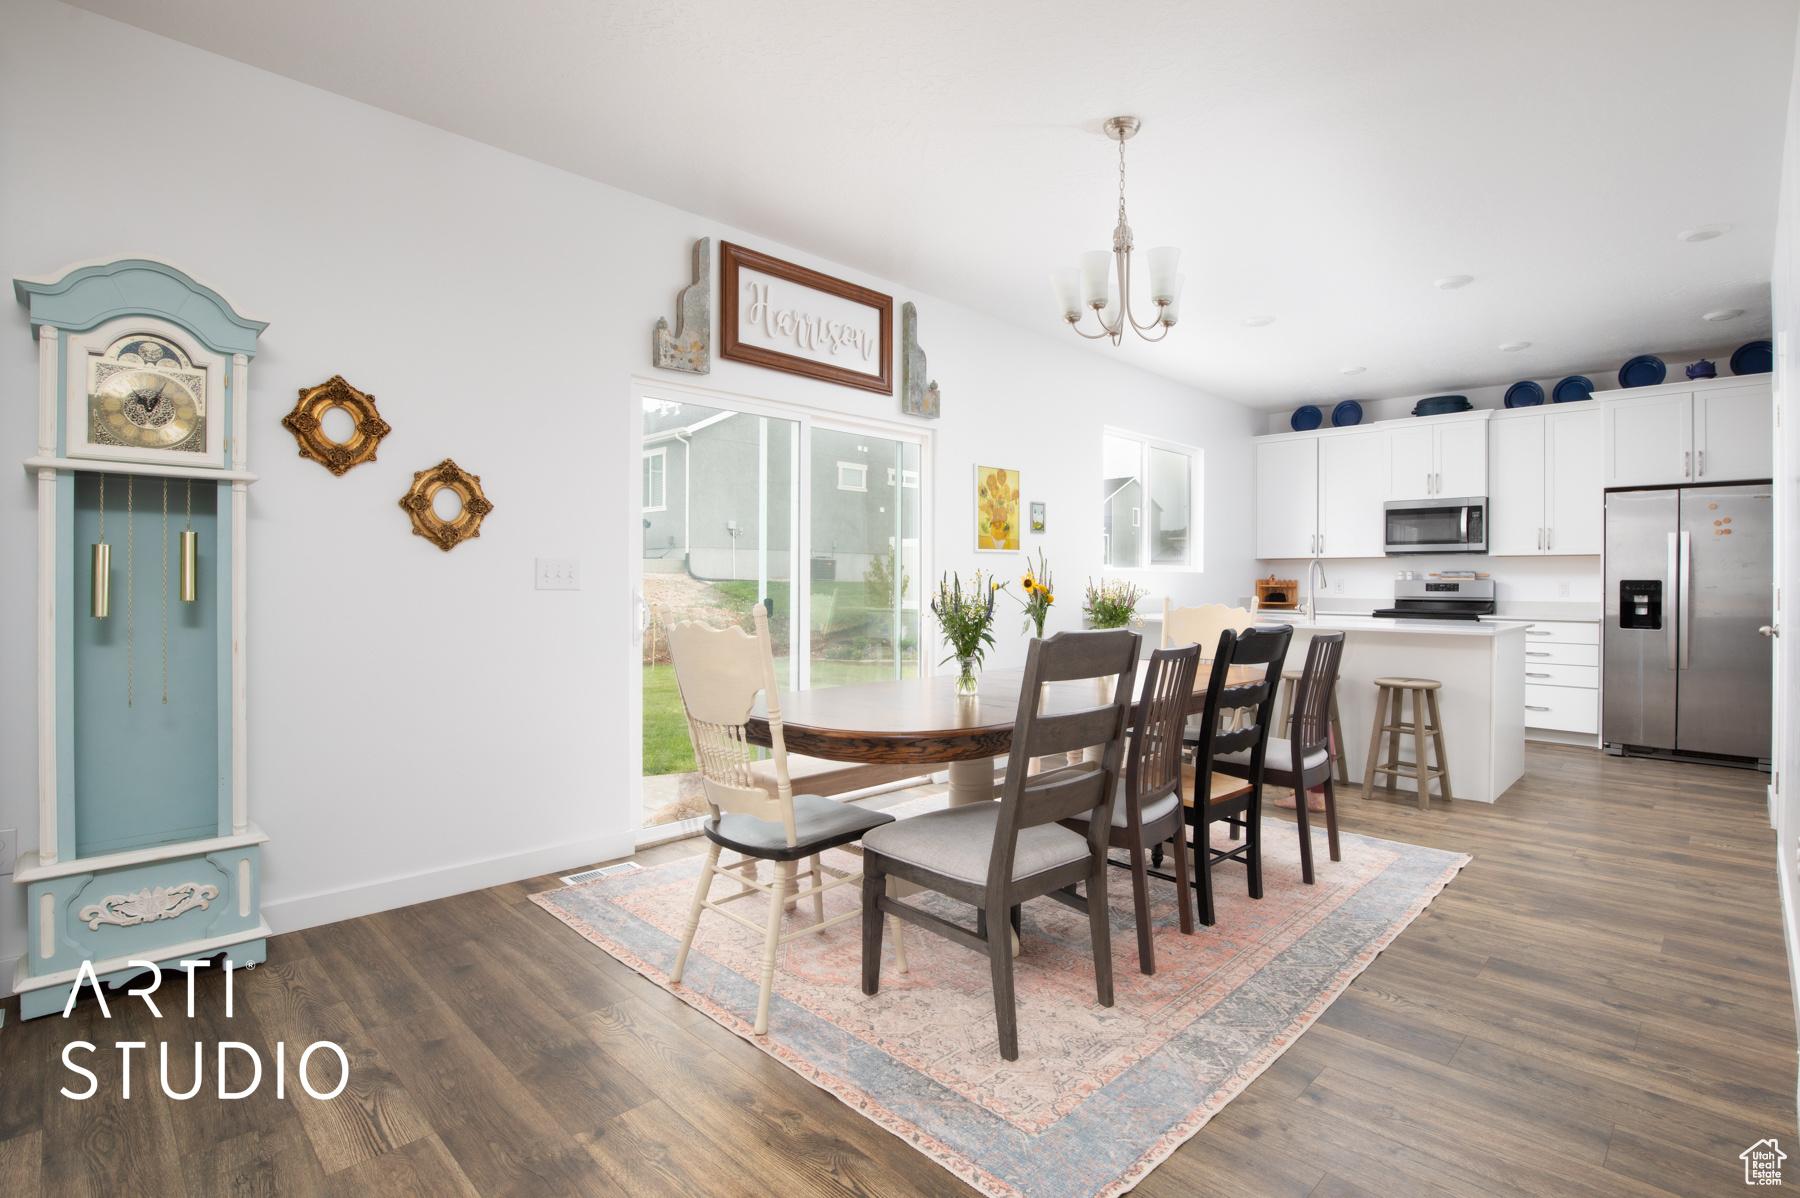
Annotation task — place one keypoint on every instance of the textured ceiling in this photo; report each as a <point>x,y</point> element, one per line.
<point>1319,161</point>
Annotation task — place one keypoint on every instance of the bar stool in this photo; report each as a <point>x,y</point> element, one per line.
<point>1290,680</point>
<point>1426,723</point>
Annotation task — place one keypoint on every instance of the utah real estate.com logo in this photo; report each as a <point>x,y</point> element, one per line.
<point>1762,1163</point>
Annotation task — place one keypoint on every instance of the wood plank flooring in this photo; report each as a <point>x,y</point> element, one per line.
<point>1599,1004</point>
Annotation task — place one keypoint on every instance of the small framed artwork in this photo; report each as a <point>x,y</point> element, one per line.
<point>1037,517</point>
<point>996,509</point>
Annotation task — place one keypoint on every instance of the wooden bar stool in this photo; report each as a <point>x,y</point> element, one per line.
<point>1290,679</point>
<point>1426,724</point>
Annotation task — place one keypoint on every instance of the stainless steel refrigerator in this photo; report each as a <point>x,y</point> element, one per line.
<point>1689,588</point>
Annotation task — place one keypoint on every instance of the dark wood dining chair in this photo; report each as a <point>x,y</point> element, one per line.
<point>995,856</point>
<point>1147,810</point>
<point>1241,810</point>
<point>1304,761</point>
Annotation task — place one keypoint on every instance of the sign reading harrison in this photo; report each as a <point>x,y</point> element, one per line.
<point>1762,1163</point>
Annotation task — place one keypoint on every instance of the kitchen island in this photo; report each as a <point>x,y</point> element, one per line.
<point>1481,664</point>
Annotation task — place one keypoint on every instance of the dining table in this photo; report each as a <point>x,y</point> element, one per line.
<point>923,721</point>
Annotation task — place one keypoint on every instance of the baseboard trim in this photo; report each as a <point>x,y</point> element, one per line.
<point>312,910</point>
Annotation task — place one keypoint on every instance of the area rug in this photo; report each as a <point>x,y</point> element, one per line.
<point>1098,1095</point>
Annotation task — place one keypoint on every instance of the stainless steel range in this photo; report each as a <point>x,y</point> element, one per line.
<point>1440,599</point>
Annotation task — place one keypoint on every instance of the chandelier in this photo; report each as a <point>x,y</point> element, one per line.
<point>1090,285</point>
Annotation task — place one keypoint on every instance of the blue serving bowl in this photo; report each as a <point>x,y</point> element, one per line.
<point>1306,419</point>
<point>1573,389</point>
<point>1442,405</point>
<point>1345,414</point>
<point>1753,357</point>
<point>1524,394</point>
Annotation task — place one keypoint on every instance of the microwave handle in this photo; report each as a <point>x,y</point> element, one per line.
<point>1465,523</point>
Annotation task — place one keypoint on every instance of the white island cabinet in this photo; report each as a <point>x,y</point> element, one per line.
<point>1482,666</point>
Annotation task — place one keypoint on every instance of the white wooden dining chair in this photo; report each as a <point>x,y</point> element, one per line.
<point>719,672</point>
<point>1202,626</point>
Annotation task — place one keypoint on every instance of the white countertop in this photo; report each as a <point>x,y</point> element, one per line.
<point>1330,622</point>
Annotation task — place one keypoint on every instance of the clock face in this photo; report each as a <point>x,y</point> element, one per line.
<point>144,394</point>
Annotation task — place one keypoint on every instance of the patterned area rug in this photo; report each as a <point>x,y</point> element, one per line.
<point>1098,1095</point>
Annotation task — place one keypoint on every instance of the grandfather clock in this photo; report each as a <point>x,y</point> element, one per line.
<point>146,850</point>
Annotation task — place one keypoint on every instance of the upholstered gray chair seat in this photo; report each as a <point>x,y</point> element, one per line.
<point>1280,756</point>
<point>1152,811</point>
<point>819,824</point>
<point>959,841</point>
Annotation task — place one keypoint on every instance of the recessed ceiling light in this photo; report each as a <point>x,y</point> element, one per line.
<point>1351,369</point>
<point>1723,314</point>
<point>1702,232</point>
<point>1452,282</point>
<point>1257,322</point>
<point>1513,347</point>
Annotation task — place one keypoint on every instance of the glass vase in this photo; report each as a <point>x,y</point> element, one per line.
<point>967,682</point>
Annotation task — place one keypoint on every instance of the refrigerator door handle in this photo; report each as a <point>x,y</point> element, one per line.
<point>1669,622</point>
<point>1682,597</point>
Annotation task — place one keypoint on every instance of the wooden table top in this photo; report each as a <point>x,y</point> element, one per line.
<point>923,720</point>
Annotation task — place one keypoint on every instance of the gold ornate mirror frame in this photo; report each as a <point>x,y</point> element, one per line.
<point>446,534</point>
<point>306,423</point>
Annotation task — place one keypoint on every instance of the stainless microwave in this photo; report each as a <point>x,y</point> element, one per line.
<point>1436,525</point>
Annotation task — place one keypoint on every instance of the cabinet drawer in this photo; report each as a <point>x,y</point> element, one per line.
<point>1566,708</point>
<point>1540,673</point>
<point>1552,653</point>
<point>1562,633</point>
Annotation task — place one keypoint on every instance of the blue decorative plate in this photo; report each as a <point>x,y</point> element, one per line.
<point>1524,394</point>
<point>1753,357</point>
<point>1306,419</point>
<point>1347,413</point>
<point>1643,371</point>
<point>1575,387</point>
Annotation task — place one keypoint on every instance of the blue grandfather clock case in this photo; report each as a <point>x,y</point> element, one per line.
<point>146,850</point>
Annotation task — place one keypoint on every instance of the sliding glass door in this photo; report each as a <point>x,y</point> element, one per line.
<point>821,525</point>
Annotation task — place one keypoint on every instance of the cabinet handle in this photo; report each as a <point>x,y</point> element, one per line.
<point>1529,707</point>
<point>1529,674</point>
<point>1529,653</point>
<point>1537,632</point>
<point>1547,540</point>
<point>1428,484</point>
<point>1700,460</point>
<point>1687,463</point>
<point>1540,538</point>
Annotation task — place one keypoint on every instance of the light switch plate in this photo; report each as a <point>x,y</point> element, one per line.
<point>1562,590</point>
<point>558,574</point>
<point>9,849</point>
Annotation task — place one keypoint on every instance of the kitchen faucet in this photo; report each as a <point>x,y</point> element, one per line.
<point>1315,577</point>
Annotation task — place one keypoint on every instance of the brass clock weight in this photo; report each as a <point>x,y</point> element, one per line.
<point>100,595</point>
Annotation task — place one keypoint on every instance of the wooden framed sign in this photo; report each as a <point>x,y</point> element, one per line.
<point>786,317</point>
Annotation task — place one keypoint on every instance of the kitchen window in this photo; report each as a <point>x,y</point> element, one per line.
<point>1149,515</point>
<point>655,471</point>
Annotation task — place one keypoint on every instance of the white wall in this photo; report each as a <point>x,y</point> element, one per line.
<point>424,722</point>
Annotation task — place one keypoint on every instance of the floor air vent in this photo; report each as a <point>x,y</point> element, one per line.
<point>610,871</point>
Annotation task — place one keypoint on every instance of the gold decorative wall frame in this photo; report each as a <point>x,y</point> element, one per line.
<point>446,534</point>
<point>306,423</point>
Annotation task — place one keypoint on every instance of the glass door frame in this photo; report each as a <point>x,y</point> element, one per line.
<point>800,546</point>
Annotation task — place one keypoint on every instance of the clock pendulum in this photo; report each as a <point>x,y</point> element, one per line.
<point>190,553</point>
<point>130,541</point>
<point>101,591</point>
<point>165,594</point>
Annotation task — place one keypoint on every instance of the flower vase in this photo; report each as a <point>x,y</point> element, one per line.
<point>967,682</point>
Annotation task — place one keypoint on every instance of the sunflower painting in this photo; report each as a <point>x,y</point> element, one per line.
<point>996,508</point>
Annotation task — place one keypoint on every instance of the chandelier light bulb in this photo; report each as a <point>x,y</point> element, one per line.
<point>1164,260</point>
<point>1067,285</point>
<point>1096,278</point>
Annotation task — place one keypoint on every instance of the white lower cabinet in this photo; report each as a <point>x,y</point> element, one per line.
<point>1562,676</point>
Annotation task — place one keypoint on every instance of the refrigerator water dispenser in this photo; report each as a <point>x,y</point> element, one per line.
<point>1640,603</point>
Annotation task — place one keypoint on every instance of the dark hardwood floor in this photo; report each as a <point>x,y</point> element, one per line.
<point>1598,1004</point>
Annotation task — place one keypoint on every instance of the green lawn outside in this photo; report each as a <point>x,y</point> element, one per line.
<point>667,749</point>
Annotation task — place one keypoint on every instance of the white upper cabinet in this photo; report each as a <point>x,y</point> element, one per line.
<point>1438,460</point>
<point>1412,462</point>
<point>1734,440</point>
<point>1516,486</point>
<point>1287,497</point>
<point>1703,435</point>
<point>1462,458</point>
<point>1649,441</point>
<point>1352,485</point>
<point>1574,503</point>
